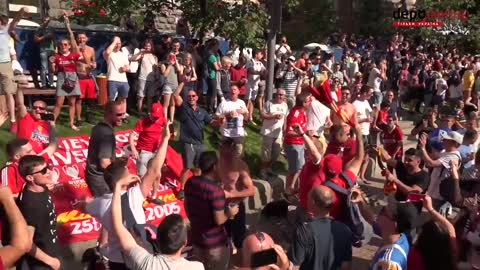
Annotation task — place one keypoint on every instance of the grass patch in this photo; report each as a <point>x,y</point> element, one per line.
<point>253,141</point>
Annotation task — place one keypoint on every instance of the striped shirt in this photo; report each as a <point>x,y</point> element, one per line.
<point>289,82</point>
<point>392,257</point>
<point>202,198</point>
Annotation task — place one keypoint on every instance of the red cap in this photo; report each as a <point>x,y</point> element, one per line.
<point>157,110</point>
<point>332,165</point>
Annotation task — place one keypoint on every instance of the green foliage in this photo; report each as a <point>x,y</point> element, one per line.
<point>308,21</point>
<point>243,23</point>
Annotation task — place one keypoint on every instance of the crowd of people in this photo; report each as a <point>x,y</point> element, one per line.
<point>327,145</point>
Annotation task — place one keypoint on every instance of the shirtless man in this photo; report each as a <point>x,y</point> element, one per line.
<point>346,106</point>
<point>238,185</point>
<point>85,65</point>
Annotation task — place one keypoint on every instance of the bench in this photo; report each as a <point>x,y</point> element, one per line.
<point>28,92</point>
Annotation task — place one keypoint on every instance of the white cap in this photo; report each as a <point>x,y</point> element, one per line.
<point>291,58</point>
<point>452,135</point>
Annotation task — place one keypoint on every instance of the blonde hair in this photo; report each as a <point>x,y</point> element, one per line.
<point>227,60</point>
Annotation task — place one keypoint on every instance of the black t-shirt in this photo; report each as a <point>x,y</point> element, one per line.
<point>321,244</point>
<point>101,146</point>
<point>39,212</point>
<point>420,179</point>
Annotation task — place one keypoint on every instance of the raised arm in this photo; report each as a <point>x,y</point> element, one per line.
<point>444,223</point>
<point>73,42</point>
<point>308,143</point>
<point>109,49</point>
<point>127,242</point>
<point>21,239</point>
<point>357,197</point>
<point>354,164</point>
<point>155,167</point>
<point>177,98</point>
<point>21,13</point>
<point>53,141</point>
<point>429,162</point>
<point>20,103</point>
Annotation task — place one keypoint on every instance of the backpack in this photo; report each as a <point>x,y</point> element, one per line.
<point>351,215</point>
<point>144,234</point>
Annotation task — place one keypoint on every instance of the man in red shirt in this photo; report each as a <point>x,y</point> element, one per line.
<point>238,76</point>
<point>341,145</point>
<point>148,132</point>
<point>392,138</point>
<point>293,142</point>
<point>32,127</point>
<point>16,149</point>
<point>332,168</point>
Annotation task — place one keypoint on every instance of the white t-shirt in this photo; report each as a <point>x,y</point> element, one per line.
<point>101,209</point>
<point>441,86</point>
<point>133,64</point>
<point>283,50</point>
<point>374,80</point>
<point>139,259</point>
<point>317,116</point>
<point>233,126</point>
<point>116,60</point>
<point>363,111</point>
<point>146,67</point>
<point>274,127</point>
<point>253,80</point>
<point>440,173</point>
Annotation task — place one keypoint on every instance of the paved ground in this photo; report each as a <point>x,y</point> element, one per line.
<point>277,228</point>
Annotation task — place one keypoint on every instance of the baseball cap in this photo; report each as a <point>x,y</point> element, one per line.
<point>292,58</point>
<point>452,135</point>
<point>156,110</point>
<point>332,165</point>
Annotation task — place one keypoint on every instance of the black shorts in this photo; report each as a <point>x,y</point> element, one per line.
<point>190,154</point>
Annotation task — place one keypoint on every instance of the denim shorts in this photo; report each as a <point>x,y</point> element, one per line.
<point>295,157</point>
<point>117,89</point>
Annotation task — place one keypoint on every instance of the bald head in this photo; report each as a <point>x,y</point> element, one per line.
<point>322,197</point>
<point>253,243</point>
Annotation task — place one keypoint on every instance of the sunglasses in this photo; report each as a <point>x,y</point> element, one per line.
<point>192,96</point>
<point>120,114</point>
<point>64,44</point>
<point>38,108</point>
<point>42,171</point>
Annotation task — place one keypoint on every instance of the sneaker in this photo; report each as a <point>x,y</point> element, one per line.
<point>13,127</point>
<point>181,195</point>
<point>156,201</point>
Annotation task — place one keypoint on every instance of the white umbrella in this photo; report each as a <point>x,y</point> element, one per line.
<point>313,46</point>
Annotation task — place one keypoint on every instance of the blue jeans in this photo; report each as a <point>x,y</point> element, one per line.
<point>44,54</point>
<point>117,89</point>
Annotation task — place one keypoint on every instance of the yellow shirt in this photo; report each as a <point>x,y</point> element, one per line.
<point>468,80</point>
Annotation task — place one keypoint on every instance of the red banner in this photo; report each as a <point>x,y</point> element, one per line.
<point>70,188</point>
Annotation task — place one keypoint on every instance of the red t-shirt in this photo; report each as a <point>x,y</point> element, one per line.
<point>345,150</point>
<point>67,63</point>
<point>149,133</point>
<point>36,131</point>
<point>11,177</point>
<point>236,74</point>
<point>391,139</point>
<point>296,116</point>
<point>339,200</point>
<point>382,117</point>
<point>310,176</point>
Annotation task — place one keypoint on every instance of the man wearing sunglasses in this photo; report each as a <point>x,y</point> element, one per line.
<point>36,205</point>
<point>33,125</point>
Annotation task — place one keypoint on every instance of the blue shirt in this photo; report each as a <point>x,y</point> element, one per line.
<point>391,257</point>
<point>192,123</point>
<point>4,44</point>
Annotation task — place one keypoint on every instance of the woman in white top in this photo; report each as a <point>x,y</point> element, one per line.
<point>147,75</point>
<point>118,66</point>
